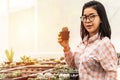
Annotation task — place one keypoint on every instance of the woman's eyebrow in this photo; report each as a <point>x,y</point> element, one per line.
<point>88,14</point>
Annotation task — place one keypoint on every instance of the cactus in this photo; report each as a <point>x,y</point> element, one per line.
<point>9,55</point>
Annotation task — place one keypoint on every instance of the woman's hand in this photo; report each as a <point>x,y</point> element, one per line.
<point>63,43</point>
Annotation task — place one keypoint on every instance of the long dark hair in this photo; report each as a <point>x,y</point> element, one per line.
<point>104,30</point>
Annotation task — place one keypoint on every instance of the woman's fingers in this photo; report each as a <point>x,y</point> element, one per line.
<point>59,39</point>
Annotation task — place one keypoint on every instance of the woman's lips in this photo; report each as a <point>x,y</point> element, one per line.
<point>89,26</point>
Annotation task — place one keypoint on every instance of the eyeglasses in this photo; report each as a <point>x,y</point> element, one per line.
<point>90,17</point>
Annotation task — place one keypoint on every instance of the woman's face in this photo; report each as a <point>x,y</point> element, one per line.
<point>91,21</point>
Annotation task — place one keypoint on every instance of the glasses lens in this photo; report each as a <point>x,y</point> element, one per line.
<point>83,18</point>
<point>91,17</point>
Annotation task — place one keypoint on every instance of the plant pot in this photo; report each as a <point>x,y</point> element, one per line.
<point>74,76</point>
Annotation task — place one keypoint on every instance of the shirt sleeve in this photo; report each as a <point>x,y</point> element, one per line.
<point>69,58</point>
<point>108,59</point>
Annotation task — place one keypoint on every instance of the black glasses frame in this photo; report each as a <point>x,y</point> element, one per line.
<point>90,17</point>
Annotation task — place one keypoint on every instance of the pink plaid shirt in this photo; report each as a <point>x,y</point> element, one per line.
<point>96,59</point>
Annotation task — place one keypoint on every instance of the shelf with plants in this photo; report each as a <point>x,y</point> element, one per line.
<point>58,73</point>
<point>22,73</point>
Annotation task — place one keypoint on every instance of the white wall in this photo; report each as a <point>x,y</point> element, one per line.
<point>3,27</point>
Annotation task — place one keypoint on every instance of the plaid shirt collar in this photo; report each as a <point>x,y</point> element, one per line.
<point>87,40</point>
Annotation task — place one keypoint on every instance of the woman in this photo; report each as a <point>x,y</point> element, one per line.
<point>95,57</point>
